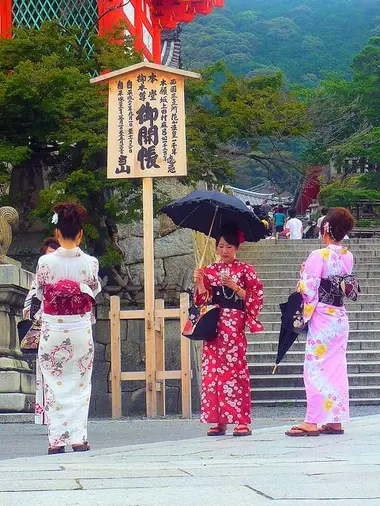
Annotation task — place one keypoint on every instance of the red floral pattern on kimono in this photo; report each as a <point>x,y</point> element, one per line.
<point>226,395</point>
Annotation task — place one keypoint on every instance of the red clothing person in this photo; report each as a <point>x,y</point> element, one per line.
<point>226,397</point>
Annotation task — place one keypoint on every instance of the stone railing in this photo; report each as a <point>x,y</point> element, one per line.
<point>17,381</point>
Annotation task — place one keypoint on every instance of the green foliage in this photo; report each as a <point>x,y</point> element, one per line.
<point>367,223</point>
<point>305,39</point>
<point>259,107</point>
<point>347,192</point>
<point>346,112</point>
<point>246,124</point>
<point>346,197</point>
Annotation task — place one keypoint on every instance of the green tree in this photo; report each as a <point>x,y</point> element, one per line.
<point>259,119</point>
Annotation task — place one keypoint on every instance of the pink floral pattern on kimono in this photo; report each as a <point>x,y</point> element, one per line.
<point>325,365</point>
<point>226,396</point>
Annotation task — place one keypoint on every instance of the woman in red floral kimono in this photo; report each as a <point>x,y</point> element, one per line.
<point>235,286</point>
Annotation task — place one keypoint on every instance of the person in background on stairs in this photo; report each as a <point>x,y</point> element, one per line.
<point>235,286</point>
<point>325,365</point>
<point>324,211</point>
<point>294,227</point>
<point>279,218</point>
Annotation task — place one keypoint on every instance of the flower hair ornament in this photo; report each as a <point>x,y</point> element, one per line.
<point>54,219</point>
<point>240,237</point>
<point>328,230</point>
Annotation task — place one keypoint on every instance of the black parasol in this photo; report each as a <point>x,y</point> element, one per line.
<point>208,211</point>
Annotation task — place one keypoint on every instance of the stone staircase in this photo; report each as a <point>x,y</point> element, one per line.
<point>278,263</point>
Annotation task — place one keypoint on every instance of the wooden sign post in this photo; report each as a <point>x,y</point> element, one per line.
<point>146,139</point>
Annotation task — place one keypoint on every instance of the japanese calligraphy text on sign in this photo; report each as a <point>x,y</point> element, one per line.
<point>146,123</point>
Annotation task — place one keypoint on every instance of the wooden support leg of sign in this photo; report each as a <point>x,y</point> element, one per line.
<point>115,357</point>
<point>185,359</point>
<point>150,343</point>
<point>160,357</point>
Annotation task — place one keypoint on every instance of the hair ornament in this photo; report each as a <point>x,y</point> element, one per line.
<point>240,237</point>
<point>54,219</point>
<point>328,230</point>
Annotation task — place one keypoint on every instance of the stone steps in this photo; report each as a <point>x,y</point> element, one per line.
<point>291,281</point>
<point>296,381</point>
<point>278,393</point>
<point>278,264</point>
<point>296,260</point>
<point>258,369</point>
<point>362,273</point>
<point>364,307</point>
<point>284,291</point>
<point>365,298</point>
<point>269,336</point>
<point>267,347</point>
<point>274,316</point>
<point>297,352</point>
<point>274,326</point>
<point>292,402</point>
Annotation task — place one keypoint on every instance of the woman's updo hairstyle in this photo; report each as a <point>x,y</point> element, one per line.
<point>230,234</point>
<point>339,222</point>
<point>71,218</point>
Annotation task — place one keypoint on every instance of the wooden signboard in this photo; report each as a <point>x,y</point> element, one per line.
<point>146,121</point>
<point>146,138</point>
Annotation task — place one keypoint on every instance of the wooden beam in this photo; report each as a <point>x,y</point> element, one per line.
<point>115,358</point>
<point>150,343</point>
<point>185,358</point>
<point>167,313</point>
<point>169,375</point>
<point>133,314</point>
<point>160,354</point>
<point>160,375</point>
<point>133,376</point>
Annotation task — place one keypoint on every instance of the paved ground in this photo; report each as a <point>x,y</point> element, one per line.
<point>265,469</point>
<point>28,440</point>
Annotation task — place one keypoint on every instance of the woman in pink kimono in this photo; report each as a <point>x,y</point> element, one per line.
<point>325,278</point>
<point>67,283</point>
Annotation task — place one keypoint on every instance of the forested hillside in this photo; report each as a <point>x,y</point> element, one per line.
<point>304,38</point>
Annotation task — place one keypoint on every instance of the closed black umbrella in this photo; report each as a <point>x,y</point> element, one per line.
<point>208,211</point>
<point>291,325</point>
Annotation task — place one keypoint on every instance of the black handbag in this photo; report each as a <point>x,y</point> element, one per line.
<point>202,323</point>
<point>35,306</point>
<point>23,328</point>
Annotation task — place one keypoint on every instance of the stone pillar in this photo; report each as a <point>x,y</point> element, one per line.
<point>17,382</point>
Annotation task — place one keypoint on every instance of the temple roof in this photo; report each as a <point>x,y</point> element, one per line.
<point>170,12</point>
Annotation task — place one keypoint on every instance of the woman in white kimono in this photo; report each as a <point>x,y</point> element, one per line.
<point>67,283</point>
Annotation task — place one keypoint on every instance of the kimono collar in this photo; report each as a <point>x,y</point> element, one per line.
<point>337,247</point>
<point>69,253</point>
<point>223,263</point>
